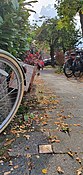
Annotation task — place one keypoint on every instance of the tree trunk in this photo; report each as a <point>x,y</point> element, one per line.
<point>52,54</point>
<point>81,20</point>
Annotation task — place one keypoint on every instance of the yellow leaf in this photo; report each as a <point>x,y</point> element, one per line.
<point>44,171</point>
<point>76,124</point>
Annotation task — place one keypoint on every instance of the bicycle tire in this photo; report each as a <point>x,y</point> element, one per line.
<point>77,73</point>
<point>11,96</point>
<point>67,70</point>
<point>76,69</point>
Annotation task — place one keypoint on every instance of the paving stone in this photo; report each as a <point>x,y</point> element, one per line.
<point>45,149</point>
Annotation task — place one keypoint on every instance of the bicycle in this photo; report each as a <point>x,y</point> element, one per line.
<point>78,66</point>
<point>11,87</point>
<point>67,68</point>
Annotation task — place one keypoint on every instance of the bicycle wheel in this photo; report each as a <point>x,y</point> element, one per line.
<point>11,88</point>
<point>68,70</point>
<point>77,68</point>
<point>77,73</point>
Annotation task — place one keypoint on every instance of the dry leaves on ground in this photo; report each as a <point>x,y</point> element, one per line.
<point>59,170</point>
<point>9,142</point>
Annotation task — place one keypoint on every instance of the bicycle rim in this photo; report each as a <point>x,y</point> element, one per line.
<point>11,89</point>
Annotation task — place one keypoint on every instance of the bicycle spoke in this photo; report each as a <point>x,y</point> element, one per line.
<point>11,89</point>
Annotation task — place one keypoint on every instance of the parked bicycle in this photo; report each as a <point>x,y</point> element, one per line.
<point>77,66</point>
<point>67,67</point>
<point>74,66</point>
<point>11,87</point>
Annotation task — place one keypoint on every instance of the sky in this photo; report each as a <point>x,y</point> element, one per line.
<point>38,6</point>
<point>44,7</point>
<point>40,3</point>
<point>47,7</point>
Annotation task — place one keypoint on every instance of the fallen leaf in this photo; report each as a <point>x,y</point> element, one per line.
<point>79,171</point>
<point>27,136</point>
<point>18,135</point>
<point>13,131</point>
<point>57,123</point>
<point>76,124</point>
<point>45,115</point>
<point>65,129</point>
<point>57,141</point>
<point>22,126</point>
<point>27,148</point>
<point>70,154</point>
<point>52,139</point>
<point>10,163</point>
<point>6,155</point>
<point>9,142</point>
<point>28,155</point>
<point>78,159</point>
<point>15,166</point>
<point>6,173</point>
<point>9,150</point>
<point>44,171</point>
<point>44,123</point>
<point>59,170</point>
<point>59,115</point>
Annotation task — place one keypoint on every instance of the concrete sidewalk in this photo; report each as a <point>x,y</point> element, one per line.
<point>54,143</point>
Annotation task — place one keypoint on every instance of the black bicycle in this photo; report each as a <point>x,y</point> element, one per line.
<point>67,68</point>
<point>77,66</point>
<point>73,66</point>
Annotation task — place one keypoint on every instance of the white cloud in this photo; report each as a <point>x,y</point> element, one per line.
<point>37,6</point>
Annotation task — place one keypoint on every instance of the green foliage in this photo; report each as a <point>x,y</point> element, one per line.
<point>68,37</point>
<point>67,9</point>
<point>23,109</point>
<point>58,35</point>
<point>28,116</point>
<point>14,26</point>
<point>48,33</point>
